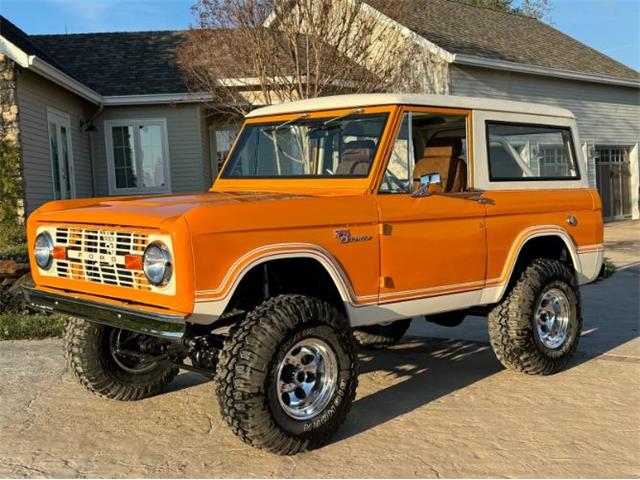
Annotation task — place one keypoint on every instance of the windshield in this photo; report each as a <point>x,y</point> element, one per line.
<point>340,147</point>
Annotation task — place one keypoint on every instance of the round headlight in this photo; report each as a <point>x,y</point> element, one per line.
<point>43,250</point>
<point>157,264</point>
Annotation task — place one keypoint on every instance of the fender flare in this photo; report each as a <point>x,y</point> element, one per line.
<point>496,287</point>
<point>210,304</point>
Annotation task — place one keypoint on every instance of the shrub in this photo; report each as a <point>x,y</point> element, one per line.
<point>12,232</point>
<point>20,326</point>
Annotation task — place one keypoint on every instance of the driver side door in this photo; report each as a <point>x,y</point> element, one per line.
<point>433,248</point>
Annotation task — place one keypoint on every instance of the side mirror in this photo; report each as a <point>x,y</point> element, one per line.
<point>429,184</point>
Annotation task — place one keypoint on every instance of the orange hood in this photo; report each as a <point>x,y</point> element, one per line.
<point>142,211</point>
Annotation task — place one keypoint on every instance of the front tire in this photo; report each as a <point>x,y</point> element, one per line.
<point>287,375</point>
<point>537,326</point>
<point>90,355</point>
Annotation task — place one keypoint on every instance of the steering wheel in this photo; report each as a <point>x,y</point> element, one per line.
<point>390,180</point>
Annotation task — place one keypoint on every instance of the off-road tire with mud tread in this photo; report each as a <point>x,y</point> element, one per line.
<point>377,337</point>
<point>247,365</point>
<point>88,357</point>
<point>511,323</point>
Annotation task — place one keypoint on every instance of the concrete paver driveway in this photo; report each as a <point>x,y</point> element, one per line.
<point>438,404</point>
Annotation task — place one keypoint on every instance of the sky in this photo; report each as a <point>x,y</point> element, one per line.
<point>610,26</point>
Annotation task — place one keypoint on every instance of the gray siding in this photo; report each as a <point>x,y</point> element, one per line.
<point>35,94</point>
<point>207,169</point>
<point>184,133</point>
<point>605,113</point>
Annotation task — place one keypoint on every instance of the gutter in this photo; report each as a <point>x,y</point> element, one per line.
<point>42,68</point>
<point>155,98</point>
<point>56,76</point>
<point>474,61</point>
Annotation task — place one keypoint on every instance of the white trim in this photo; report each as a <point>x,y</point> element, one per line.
<point>155,98</point>
<point>61,119</point>
<point>206,311</point>
<point>481,163</point>
<point>634,165</point>
<point>56,76</point>
<point>108,140</point>
<point>14,53</point>
<point>388,312</point>
<point>471,60</point>
<point>47,71</point>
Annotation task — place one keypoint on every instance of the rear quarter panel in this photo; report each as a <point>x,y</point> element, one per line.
<point>513,217</point>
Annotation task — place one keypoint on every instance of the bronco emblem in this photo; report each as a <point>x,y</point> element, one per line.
<point>344,236</point>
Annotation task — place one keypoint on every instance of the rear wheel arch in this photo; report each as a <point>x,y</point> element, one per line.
<point>556,245</point>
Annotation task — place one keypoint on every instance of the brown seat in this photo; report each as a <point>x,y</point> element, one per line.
<point>356,158</point>
<point>442,156</point>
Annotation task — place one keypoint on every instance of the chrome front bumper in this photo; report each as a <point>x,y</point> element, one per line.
<point>147,322</point>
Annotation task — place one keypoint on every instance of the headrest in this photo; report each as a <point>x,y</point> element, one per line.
<point>443,147</point>
<point>358,144</point>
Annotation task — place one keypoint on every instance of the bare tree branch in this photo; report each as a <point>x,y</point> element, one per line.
<point>255,52</point>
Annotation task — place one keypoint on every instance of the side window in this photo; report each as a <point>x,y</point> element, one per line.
<point>530,152</point>
<point>397,177</point>
<point>430,148</point>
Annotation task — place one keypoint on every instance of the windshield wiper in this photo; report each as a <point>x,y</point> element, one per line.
<point>355,111</point>
<point>275,128</point>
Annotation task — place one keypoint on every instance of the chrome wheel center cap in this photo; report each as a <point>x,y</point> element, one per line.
<point>307,378</point>
<point>552,318</point>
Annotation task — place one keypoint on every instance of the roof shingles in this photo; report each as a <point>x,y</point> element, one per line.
<point>137,63</point>
<point>121,63</point>
<point>483,32</point>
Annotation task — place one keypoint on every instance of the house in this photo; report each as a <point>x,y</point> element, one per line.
<point>110,113</point>
<point>501,55</point>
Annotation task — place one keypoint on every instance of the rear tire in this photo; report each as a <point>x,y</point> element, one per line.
<point>537,326</point>
<point>101,372</point>
<point>264,389</point>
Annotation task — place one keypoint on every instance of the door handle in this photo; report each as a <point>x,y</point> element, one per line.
<point>478,198</point>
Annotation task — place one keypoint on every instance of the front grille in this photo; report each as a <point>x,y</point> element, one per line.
<point>98,256</point>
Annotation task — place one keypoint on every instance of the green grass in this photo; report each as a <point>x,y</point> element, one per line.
<point>23,327</point>
<point>609,267</point>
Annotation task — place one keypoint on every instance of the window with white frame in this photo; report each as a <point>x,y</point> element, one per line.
<point>224,141</point>
<point>137,156</point>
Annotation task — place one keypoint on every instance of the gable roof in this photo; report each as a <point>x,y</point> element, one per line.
<point>463,29</point>
<point>120,63</point>
<point>23,41</point>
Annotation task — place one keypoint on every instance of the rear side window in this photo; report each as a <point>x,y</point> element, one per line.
<point>530,152</point>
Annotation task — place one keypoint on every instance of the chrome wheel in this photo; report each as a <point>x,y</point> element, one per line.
<point>552,318</point>
<point>307,378</point>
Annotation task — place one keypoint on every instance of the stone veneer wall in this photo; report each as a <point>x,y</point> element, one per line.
<point>9,128</point>
<point>9,125</point>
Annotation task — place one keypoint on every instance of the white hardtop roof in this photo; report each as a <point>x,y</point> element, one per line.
<point>368,100</point>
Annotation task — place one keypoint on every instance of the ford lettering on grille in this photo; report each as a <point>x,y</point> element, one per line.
<point>97,255</point>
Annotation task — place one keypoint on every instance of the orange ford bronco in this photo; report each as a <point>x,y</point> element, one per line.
<point>333,221</point>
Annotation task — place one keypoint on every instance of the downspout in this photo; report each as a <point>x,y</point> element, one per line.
<point>89,127</point>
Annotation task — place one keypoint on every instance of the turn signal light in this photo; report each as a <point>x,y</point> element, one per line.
<point>133,262</point>
<point>59,253</point>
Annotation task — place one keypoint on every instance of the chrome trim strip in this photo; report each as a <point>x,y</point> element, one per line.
<point>141,321</point>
